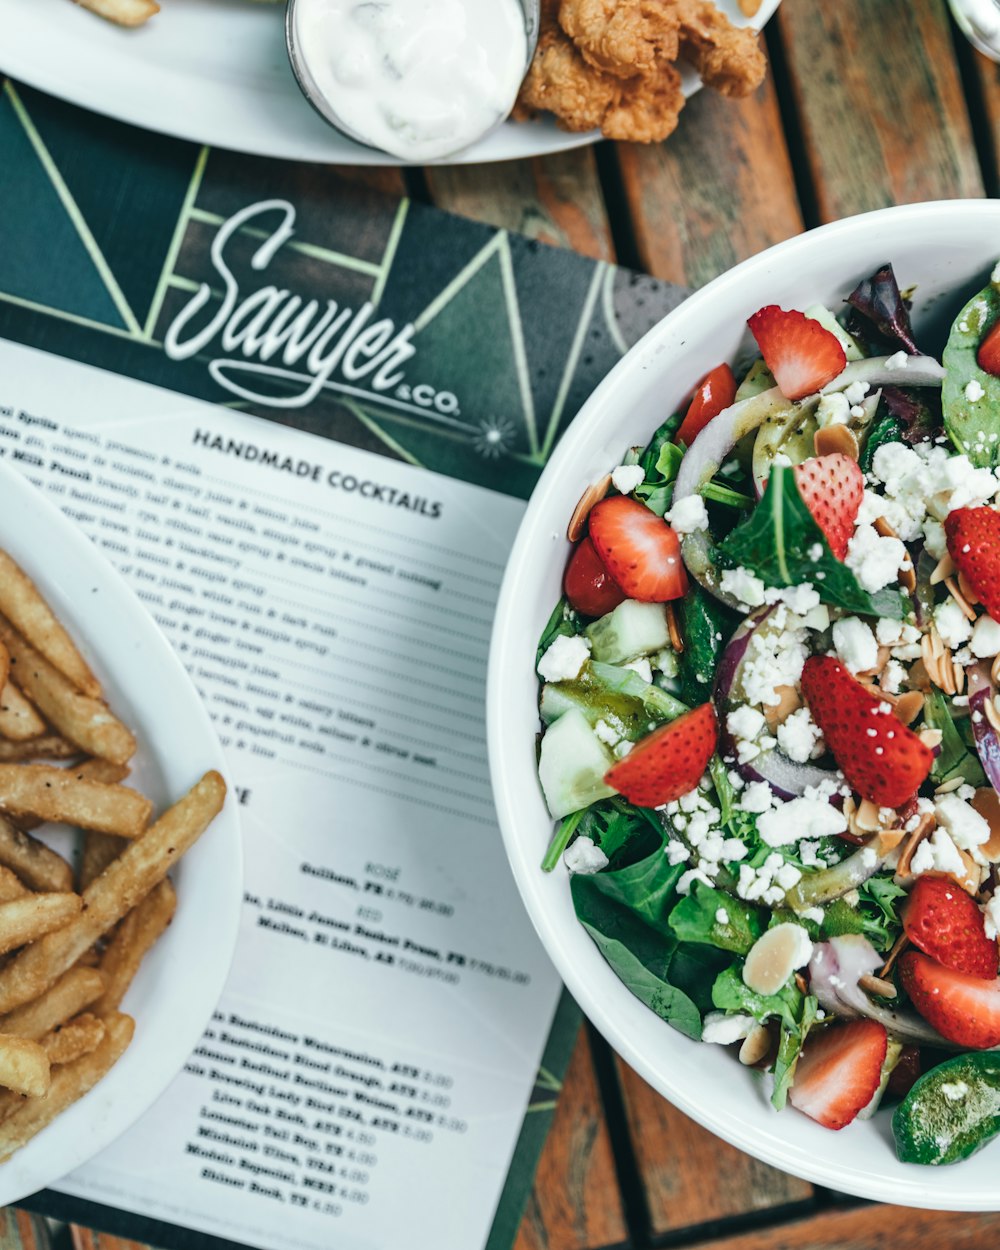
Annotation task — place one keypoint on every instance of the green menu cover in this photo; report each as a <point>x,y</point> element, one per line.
<point>293,294</point>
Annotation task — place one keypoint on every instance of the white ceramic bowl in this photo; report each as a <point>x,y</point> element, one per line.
<point>948,251</point>
<point>179,982</point>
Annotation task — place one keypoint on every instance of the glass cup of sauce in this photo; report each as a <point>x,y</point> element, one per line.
<point>419,79</point>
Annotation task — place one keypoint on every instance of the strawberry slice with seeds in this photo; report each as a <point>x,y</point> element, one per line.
<point>588,585</point>
<point>973,536</point>
<point>714,394</point>
<point>881,758</point>
<point>988,355</point>
<point>838,1072</point>
<point>639,549</point>
<point>946,924</point>
<point>832,488</point>
<point>802,354</point>
<point>669,762</point>
<point>963,1009</point>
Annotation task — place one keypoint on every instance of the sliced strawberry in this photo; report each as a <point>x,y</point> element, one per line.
<point>668,763</point>
<point>880,757</point>
<point>639,549</point>
<point>838,1072</point>
<point>963,1009</point>
<point>908,1070</point>
<point>713,394</point>
<point>988,355</point>
<point>946,924</point>
<point>802,354</point>
<point>832,488</point>
<point>973,536</point>
<point>589,586</point>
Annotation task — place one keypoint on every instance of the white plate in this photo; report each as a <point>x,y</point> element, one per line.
<point>180,981</point>
<point>215,71</point>
<point>948,251</point>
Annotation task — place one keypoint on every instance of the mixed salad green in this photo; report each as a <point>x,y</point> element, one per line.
<point>770,716</point>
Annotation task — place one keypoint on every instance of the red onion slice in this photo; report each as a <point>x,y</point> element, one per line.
<point>984,735</point>
<point>834,971</point>
<point>876,371</point>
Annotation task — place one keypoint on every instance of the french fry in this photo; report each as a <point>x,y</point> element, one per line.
<point>44,747</point>
<point>87,770</point>
<point>76,989</point>
<point>24,1066</point>
<point>68,1084</point>
<point>22,604</point>
<point>99,849</point>
<point>11,887</point>
<point>122,12</point>
<point>133,938</point>
<point>38,866</point>
<point>18,719</point>
<point>39,790</point>
<point>81,718</point>
<point>4,665</point>
<point>73,1040</point>
<point>27,919</point>
<point>128,879</point>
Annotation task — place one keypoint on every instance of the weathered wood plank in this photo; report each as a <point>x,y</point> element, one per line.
<point>575,1203</point>
<point>390,179</point>
<point>87,1239</point>
<point>985,87</point>
<point>720,189</point>
<point>690,1176</point>
<point>20,1230</point>
<point>871,1228</point>
<point>880,104</point>
<point>555,199</point>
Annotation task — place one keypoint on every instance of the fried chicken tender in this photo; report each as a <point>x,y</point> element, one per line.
<point>643,109</point>
<point>623,37</point>
<point>728,58</point>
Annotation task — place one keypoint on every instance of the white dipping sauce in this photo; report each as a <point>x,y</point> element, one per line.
<point>419,79</point>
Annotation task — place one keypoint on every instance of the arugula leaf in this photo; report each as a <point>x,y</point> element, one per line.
<point>971,424</point>
<point>789,1049</point>
<point>660,462</point>
<point>718,492</point>
<point>874,916</point>
<point>954,759</point>
<point>705,626</point>
<point>565,620</point>
<point>619,828</point>
<point>615,908</point>
<point>663,437</point>
<point>730,994</point>
<point>774,543</point>
<point>694,919</point>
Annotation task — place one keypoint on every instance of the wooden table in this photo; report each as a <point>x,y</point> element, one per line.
<point>870,103</point>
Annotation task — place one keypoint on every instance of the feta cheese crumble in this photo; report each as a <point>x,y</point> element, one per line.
<point>564,658</point>
<point>855,644</point>
<point>800,737</point>
<point>688,515</point>
<point>743,586</point>
<point>627,477</point>
<point>584,856</point>
<point>974,391</point>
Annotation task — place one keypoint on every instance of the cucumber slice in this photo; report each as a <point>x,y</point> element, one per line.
<point>631,630</point>
<point>572,765</point>
<point>829,322</point>
<point>759,379</point>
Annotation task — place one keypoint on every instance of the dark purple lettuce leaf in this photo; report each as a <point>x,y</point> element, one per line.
<point>878,299</point>
<point>918,412</point>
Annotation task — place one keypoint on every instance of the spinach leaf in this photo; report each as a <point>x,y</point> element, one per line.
<point>888,429</point>
<point>663,436</point>
<point>730,994</point>
<point>972,423</point>
<point>565,620</point>
<point>705,626</point>
<point>789,1049</point>
<point>695,919</point>
<point>775,543</point>
<point>694,968</point>
<point>660,463</point>
<point>954,759</point>
<point>615,910</point>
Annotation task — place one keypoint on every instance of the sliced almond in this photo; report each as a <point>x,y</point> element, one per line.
<point>788,702</point>
<point>673,628</point>
<point>945,567</point>
<point>834,439</point>
<point>908,575</point>
<point>867,818</point>
<point>931,738</point>
<point>924,828</point>
<point>774,957</point>
<point>909,706</point>
<point>919,676</point>
<point>987,803</point>
<point>594,493</point>
<point>995,671</point>
<point>968,593</point>
<point>902,942</point>
<point>887,841</point>
<point>968,611</point>
<point>972,878</point>
<point>755,1046</point>
<point>877,986</point>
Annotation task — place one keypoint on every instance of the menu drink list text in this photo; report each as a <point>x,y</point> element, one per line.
<point>363,1080</point>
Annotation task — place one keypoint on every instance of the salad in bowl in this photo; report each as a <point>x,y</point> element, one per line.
<point>770,720</point>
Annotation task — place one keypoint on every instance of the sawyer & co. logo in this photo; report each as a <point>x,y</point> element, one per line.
<point>282,351</point>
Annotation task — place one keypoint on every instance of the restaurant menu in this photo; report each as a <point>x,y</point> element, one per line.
<point>301,418</point>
